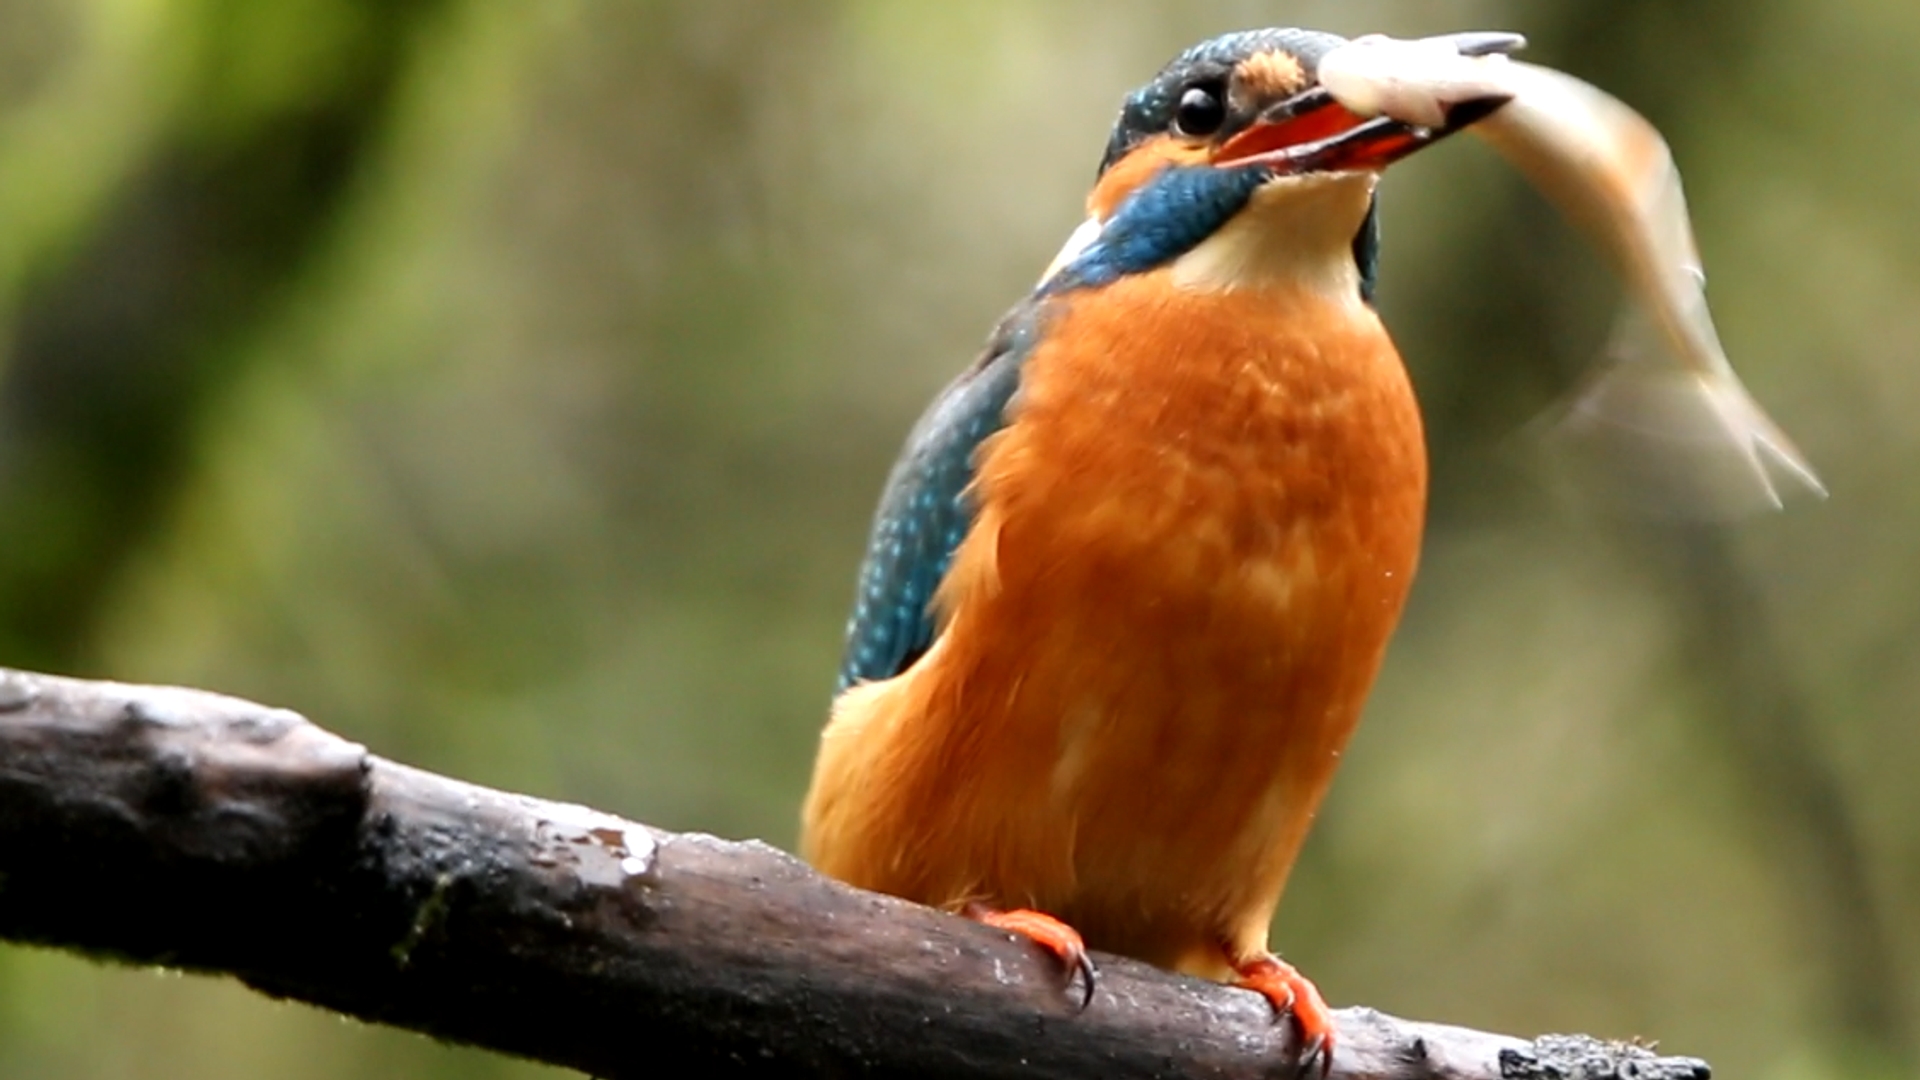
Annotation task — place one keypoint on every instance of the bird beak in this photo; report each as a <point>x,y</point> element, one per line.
<point>1311,132</point>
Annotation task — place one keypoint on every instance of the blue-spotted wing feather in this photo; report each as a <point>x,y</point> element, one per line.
<point>925,511</point>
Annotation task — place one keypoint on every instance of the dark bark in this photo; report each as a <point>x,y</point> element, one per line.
<point>176,827</point>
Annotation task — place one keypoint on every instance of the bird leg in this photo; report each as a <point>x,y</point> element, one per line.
<point>1292,994</point>
<point>1049,933</point>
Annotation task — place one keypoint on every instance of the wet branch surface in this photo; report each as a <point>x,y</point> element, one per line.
<point>175,827</point>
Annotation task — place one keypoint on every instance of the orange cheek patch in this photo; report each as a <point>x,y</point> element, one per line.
<point>1270,75</point>
<point>1140,165</point>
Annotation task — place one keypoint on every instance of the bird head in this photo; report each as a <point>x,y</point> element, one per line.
<point>1234,164</point>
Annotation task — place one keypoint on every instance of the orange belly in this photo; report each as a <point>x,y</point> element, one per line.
<point>1192,542</point>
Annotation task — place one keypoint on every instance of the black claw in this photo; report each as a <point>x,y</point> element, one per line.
<point>1314,1059</point>
<point>1084,965</point>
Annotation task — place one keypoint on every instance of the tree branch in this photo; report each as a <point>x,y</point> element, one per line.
<point>167,826</point>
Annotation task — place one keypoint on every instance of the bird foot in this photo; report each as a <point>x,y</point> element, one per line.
<point>1051,934</point>
<point>1293,994</point>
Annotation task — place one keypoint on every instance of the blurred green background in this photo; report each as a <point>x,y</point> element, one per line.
<point>508,385</point>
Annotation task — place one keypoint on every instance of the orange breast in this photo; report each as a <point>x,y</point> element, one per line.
<point>1194,538</point>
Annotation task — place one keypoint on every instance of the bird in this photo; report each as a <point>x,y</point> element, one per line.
<point>1133,575</point>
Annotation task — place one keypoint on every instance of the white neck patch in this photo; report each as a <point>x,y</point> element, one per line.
<point>1082,239</point>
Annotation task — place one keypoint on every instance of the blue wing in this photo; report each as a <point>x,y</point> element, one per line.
<point>925,510</point>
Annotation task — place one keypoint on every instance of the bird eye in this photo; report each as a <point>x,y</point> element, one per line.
<point>1200,113</point>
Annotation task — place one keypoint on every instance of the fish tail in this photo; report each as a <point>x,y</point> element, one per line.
<point>1676,439</point>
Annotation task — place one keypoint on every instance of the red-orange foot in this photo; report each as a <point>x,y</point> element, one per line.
<point>1293,994</point>
<point>1051,934</point>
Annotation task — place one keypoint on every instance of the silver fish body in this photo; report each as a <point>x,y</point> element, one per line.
<point>1667,405</point>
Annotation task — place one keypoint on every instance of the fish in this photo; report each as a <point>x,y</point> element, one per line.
<point>1664,407</point>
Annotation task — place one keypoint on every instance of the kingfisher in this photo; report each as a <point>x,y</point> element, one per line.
<point>1133,575</point>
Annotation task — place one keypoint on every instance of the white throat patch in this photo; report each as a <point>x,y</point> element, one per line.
<point>1294,231</point>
